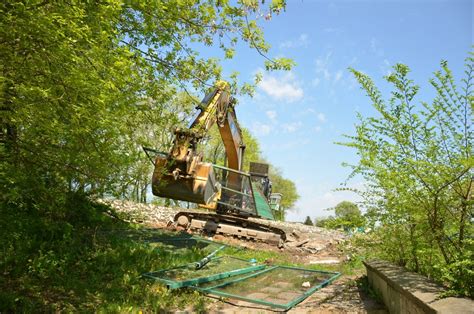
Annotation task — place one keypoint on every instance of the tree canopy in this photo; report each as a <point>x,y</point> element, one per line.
<point>84,85</point>
<point>284,186</point>
<point>417,160</point>
<point>347,216</point>
<point>308,221</point>
<point>346,209</point>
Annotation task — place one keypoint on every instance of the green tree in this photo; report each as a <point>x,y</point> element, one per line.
<point>284,186</point>
<point>308,221</point>
<point>417,160</point>
<point>348,216</point>
<point>346,210</point>
<point>153,129</point>
<point>323,222</point>
<point>75,77</point>
<point>214,151</point>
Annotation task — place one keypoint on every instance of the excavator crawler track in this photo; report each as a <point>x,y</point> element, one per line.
<point>230,226</point>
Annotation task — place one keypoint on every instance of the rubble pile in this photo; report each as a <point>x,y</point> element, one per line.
<point>320,243</point>
<point>149,214</point>
<point>309,239</point>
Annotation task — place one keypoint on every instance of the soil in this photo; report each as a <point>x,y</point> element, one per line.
<point>306,245</point>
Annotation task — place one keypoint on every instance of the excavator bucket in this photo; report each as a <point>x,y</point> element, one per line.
<point>201,187</point>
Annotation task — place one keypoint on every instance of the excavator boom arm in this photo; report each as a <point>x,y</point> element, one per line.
<point>182,175</point>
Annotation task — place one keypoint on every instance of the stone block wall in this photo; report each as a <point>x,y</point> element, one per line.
<point>403,291</point>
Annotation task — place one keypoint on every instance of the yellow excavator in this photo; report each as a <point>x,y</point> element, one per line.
<point>233,197</point>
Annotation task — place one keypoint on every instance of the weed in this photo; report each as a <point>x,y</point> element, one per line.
<point>83,261</point>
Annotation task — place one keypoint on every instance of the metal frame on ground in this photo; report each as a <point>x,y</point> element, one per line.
<point>175,284</point>
<point>286,306</point>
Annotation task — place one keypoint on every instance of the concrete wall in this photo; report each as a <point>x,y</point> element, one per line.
<point>407,292</point>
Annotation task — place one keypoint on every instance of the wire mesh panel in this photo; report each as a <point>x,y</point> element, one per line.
<point>279,286</point>
<point>217,268</point>
<point>237,193</point>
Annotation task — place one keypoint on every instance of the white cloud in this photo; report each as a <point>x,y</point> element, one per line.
<point>284,88</point>
<point>290,145</point>
<point>322,66</point>
<point>312,114</point>
<point>317,129</point>
<point>321,117</point>
<point>338,76</point>
<point>301,41</point>
<point>292,127</point>
<point>324,71</point>
<point>261,129</point>
<point>354,60</point>
<point>272,115</point>
<point>373,44</point>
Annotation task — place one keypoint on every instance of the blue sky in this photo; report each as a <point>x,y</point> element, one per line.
<point>298,115</point>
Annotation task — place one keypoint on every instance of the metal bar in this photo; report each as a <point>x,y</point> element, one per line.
<point>186,283</point>
<point>149,275</point>
<point>191,282</point>
<point>207,259</point>
<point>253,197</point>
<point>250,199</point>
<point>235,191</point>
<point>169,283</point>
<point>147,151</point>
<point>311,270</point>
<point>311,291</point>
<point>258,301</point>
<point>236,207</point>
<point>230,169</point>
<point>174,284</point>
<point>286,306</point>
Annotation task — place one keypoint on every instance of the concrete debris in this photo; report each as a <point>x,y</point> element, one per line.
<point>303,239</point>
<point>301,243</point>
<point>141,213</point>
<point>295,234</point>
<point>326,261</point>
